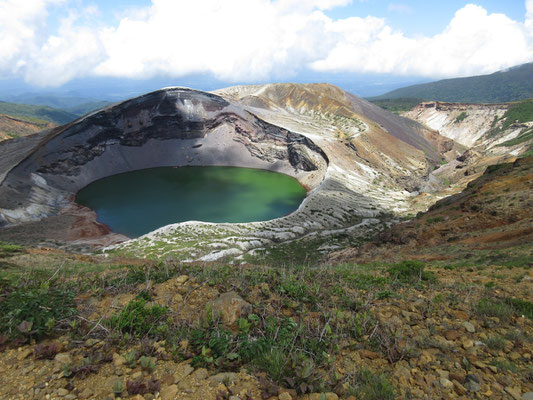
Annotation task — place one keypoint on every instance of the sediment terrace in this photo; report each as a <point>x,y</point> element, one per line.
<point>354,169</point>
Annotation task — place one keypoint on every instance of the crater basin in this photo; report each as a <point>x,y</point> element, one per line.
<point>138,202</point>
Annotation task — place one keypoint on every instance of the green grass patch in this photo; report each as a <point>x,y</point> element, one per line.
<point>35,311</point>
<point>521,307</point>
<point>8,249</point>
<point>368,385</point>
<point>410,271</point>
<point>505,365</point>
<point>141,319</point>
<point>520,112</point>
<point>521,138</point>
<point>495,342</point>
<point>461,117</point>
<point>433,220</point>
<point>494,308</point>
<point>397,105</point>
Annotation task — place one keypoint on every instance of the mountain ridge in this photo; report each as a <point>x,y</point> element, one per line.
<point>502,86</point>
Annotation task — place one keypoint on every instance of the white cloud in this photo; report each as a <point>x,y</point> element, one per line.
<point>246,40</point>
<point>474,42</point>
<point>20,23</point>
<point>399,8</point>
<point>529,15</point>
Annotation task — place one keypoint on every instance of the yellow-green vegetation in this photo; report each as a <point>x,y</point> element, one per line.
<point>519,112</point>
<point>461,117</point>
<point>397,105</point>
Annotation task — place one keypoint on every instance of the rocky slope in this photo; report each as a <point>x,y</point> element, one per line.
<point>458,324</point>
<point>492,133</point>
<point>359,163</point>
<point>11,127</point>
<point>491,219</point>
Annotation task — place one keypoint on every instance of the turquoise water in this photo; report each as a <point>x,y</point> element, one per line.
<point>138,202</point>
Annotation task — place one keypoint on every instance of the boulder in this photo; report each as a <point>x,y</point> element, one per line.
<point>230,306</point>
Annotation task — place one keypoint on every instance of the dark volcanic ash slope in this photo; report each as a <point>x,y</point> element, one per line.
<point>170,127</point>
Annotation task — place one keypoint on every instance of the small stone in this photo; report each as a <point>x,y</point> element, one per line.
<point>515,392</point>
<point>62,392</point>
<point>230,306</point>
<point>169,392</point>
<point>182,279</point>
<point>457,377</point>
<point>460,389</point>
<point>452,335</point>
<point>63,358</point>
<point>224,377</point>
<point>200,374</point>
<point>182,372</point>
<point>527,396</point>
<point>285,396</point>
<point>472,383</point>
<point>469,327</point>
<point>514,355</point>
<point>446,383</point>
<point>369,354</point>
<point>137,375</point>
<point>23,354</point>
<point>86,393</point>
<point>149,396</point>
<point>118,360</point>
<point>443,374</point>
<point>90,342</point>
<point>467,344</point>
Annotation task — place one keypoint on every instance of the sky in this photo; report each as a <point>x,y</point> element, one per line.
<point>49,43</point>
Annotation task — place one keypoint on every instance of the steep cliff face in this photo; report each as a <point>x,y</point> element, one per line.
<point>483,127</point>
<point>489,132</point>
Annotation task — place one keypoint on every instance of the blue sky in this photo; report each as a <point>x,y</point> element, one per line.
<point>424,17</point>
<point>49,43</point>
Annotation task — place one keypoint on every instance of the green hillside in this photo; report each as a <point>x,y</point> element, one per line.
<point>502,86</point>
<point>36,113</point>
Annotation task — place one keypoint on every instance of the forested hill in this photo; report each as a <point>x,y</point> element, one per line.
<point>503,86</point>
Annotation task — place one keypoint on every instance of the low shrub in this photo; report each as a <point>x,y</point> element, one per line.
<point>494,308</point>
<point>369,386</point>
<point>140,319</point>
<point>35,312</point>
<point>410,271</point>
<point>522,307</point>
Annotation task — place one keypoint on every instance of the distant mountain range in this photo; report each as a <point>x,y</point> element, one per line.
<point>36,112</point>
<point>503,86</point>
<point>24,119</point>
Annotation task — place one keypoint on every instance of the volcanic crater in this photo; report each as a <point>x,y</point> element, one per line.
<point>338,149</point>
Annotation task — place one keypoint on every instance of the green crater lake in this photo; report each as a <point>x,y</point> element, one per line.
<point>138,202</point>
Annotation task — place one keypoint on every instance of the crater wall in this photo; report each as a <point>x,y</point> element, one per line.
<point>169,127</point>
